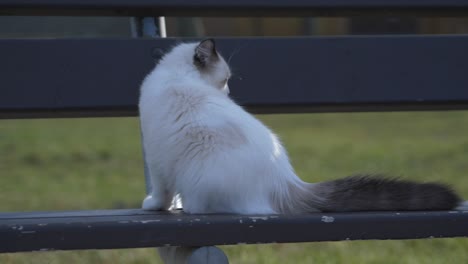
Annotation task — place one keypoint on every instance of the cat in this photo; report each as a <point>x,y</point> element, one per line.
<point>219,158</point>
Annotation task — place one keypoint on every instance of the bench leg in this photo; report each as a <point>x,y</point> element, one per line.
<point>192,255</point>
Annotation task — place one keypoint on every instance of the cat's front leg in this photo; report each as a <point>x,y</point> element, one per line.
<point>159,198</point>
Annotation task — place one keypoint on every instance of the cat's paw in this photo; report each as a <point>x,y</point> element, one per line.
<point>150,203</point>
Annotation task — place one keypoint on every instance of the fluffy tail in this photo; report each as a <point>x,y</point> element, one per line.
<point>370,193</point>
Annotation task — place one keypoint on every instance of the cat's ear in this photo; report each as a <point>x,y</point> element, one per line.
<point>205,53</point>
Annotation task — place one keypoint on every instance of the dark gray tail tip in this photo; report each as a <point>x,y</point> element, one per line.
<point>441,195</point>
<point>396,194</point>
<point>445,197</point>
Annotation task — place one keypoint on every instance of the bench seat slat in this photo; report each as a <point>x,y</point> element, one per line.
<point>101,77</point>
<point>134,228</point>
<point>231,7</point>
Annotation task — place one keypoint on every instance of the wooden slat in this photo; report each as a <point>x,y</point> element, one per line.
<point>135,228</point>
<point>232,7</point>
<point>101,77</point>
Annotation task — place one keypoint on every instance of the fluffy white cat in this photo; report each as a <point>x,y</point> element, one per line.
<point>204,147</point>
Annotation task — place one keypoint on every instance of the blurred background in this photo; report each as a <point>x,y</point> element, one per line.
<point>66,27</point>
<point>95,163</point>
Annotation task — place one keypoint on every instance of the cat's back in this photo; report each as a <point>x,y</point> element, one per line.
<point>176,97</point>
<point>190,110</point>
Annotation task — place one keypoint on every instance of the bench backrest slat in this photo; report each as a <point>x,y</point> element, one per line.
<point>101,77</point>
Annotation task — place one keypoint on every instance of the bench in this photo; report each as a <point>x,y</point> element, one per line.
<point>370,73</point>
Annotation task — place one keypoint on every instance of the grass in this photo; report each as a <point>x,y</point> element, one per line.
<point>68,164</point>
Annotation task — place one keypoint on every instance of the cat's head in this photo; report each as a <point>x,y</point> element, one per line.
<point>204,59</point>
<point>212,66</point>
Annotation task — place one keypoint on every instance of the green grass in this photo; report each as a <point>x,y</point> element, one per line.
<point>69,164</point>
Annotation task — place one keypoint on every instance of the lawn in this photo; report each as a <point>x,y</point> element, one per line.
<point>68,164</point>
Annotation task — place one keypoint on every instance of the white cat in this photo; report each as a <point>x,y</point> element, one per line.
<point>220,159</point>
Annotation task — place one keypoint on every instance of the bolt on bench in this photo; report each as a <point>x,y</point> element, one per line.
<point>370,73</point>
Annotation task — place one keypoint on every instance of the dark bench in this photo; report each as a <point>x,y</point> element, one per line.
<point>332,74</point>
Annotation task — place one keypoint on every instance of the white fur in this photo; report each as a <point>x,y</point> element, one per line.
<point>202,145</point>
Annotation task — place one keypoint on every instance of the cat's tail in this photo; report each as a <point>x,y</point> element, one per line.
<point>371,193</point>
